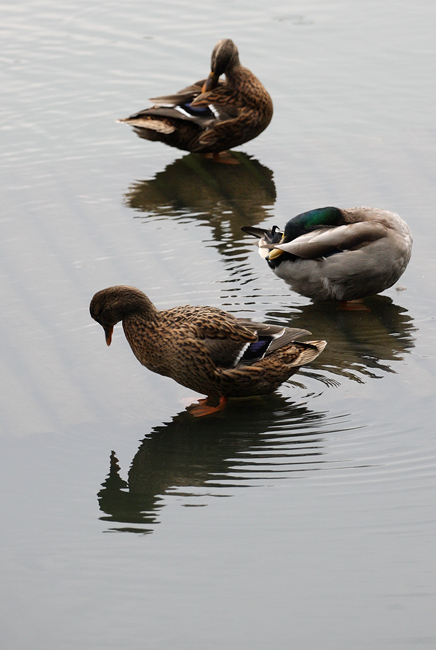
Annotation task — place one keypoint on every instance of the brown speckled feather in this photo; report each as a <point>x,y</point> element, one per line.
<point>209,116</point>
<point>204,348</point>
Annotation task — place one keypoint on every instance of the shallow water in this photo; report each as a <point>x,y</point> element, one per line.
<point>304,519</point>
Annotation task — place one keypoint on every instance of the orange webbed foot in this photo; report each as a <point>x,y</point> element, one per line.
<point>203,408</point>
<point>353,305</point>
<point>224,157</point>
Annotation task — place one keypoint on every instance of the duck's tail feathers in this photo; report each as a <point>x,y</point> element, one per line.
<point>309,351</point>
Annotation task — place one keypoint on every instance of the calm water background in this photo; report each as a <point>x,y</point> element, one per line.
<point>303,520</point>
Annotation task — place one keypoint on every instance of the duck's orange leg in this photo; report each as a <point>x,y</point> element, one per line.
<point>222,157</point>
<point>203,408</point>
<point>353,305</point>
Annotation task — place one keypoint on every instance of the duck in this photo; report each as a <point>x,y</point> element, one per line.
<point>204,348</point>
<point>338,254</point>
<point>210,116</point>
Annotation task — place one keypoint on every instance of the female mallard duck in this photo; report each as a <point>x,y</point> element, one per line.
<point>204,348</point>
<point>334,254</point>
<point>210,116</point>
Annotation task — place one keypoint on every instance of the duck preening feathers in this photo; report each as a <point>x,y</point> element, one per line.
<point>210,116</point>
<point>336,254</point>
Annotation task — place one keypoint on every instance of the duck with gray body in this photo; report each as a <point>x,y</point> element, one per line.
<point>338,254</point>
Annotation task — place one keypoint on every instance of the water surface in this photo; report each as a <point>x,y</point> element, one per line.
<point>304,519</point>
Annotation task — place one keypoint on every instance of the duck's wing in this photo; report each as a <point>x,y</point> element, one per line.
<point>228,353</point>
<point>230,340</point>
<point>279,334</point>
<point>174,107</point>
<point>184,96</point>
<point>221,95</point>
<point>327,241</point>
<point>231,124</point>
<point>224,336</point>
<point>206,322</point>
<point>270,339</point>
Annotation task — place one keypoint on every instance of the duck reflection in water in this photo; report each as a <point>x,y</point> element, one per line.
<point>364,344</point>
<point>194,187</point>
<point>251,442</point>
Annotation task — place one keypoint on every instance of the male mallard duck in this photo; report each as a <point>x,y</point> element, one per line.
<point>204,348</point>
<point>209,116</point>
<point>334,254</point>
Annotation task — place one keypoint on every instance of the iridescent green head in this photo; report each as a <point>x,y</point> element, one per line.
<point>311,220</point>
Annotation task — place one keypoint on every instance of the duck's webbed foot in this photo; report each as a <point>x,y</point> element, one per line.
<point>203,408</point>
<point>353,305</point>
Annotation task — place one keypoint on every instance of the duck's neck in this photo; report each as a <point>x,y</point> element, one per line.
<point>135,304</point>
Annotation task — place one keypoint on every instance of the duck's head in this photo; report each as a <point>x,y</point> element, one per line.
<point>112,305</point>
<point>225,57</point>
<point>304,223</point>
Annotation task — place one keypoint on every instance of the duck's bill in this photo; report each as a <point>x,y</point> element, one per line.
<point>108,333</point>
<point>210,83</point>
<point>276,252</point>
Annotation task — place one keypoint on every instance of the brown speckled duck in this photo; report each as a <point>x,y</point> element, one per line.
<point>204,348</point>
<point>210,116</point>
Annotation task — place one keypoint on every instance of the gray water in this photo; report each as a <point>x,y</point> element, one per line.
<point>305,519</point>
